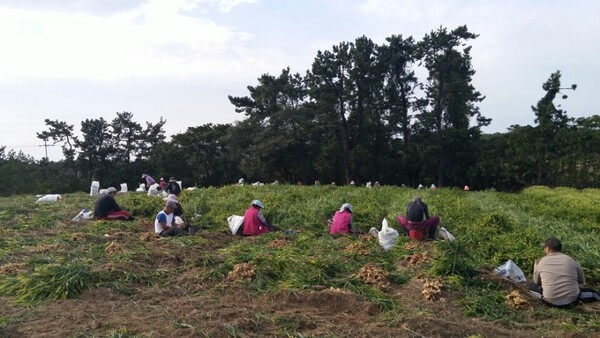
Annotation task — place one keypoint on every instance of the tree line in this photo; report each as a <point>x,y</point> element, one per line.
<point>360,113</point>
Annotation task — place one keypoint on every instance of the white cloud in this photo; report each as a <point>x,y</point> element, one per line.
<point>158,38</point>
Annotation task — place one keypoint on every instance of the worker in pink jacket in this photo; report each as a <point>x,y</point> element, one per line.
<point>255,222</point>
<point>342,220</point>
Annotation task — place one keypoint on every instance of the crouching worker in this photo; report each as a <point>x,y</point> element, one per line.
<point>164,224</point>
<point>106,208</point>
<point>178,212</point>
<point>342,220</point>
<point>418,224</point>
<point>255,222</point>
<point>557,277</point>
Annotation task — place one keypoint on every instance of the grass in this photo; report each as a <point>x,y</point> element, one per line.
<point>59,259</point>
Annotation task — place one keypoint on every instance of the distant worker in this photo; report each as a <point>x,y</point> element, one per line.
<point>342,220</point>
<point>466,188</point>
<point>106,208</point>
<point>164,223</point>
<point>173,187</point>
<point>255,222</point>
<point>418,224</point>
<point>162,184</point>
<point>148,179</point>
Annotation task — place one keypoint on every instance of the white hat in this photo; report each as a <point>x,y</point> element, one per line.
<point>110,190</point>
<point>346,206</point>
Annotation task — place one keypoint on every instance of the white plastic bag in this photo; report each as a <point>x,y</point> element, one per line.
<point>446,235</point>
<point>83,215</point>
<point>387,236</point>
<point>94,188</point>
<point>153,190</point>
<point>141,188</point>
<point>235,222</point>
<point>123,187</point>
<point>48,199</point>
<point>511,271</point>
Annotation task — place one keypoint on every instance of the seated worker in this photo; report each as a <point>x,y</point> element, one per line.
<point>178,212</point>
<point>255,222</point>
<point>106,208</point>
<point>417,223</point>
<point>557,276</point>
<point>164,224</point>
<point>173,187</point>
<point>342,220</point>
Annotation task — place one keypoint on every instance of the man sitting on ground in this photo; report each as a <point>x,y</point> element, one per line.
<point>164,224</point>
<point>557,276</point>
<point>106,208</point>
<point>417,223</point>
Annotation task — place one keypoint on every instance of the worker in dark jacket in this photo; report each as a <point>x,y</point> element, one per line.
<point>418,224</point>
<point>106,208</point>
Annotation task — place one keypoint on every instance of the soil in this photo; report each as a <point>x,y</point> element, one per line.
<point>191,307</point>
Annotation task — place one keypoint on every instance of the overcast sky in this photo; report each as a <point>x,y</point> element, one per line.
<point>71,60</point>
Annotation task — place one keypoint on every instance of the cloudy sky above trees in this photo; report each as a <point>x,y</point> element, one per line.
<point>70,60</point>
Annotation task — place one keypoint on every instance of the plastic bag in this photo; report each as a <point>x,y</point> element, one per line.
<point>511,271</point>
<point>48,199</point>
<point>153,190</point>
<point>84,214</point>
<point>387,236</point>
<point>95,188</point>
<point>141,188</point>
<point>235,222</point>
<point>123,187</point>
<point>446,235</point>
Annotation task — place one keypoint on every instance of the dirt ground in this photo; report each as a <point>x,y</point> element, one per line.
<point>191,307</point>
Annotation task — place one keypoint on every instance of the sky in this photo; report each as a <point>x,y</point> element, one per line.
<point>72,60</point>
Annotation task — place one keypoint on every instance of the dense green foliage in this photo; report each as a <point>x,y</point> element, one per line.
<point>359,114</point>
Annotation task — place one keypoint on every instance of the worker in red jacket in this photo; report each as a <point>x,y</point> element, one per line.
<point>255,222</point>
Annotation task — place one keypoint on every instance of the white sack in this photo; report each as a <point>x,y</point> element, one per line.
<point>446,235</point>
<point>94,188</point>
<point>235,222</point>
<point>153,190</point>
<point>84,214</point>
<point>511,271</point>
<point>141,188</point>
<point>123,187</point>
<point>387,236</point>
<point>48,199</point>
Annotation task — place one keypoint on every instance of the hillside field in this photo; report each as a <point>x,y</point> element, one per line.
<point>60,278</point>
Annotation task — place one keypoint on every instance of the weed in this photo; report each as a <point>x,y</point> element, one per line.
<point>49,282</point>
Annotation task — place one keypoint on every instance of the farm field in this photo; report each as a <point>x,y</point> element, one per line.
<point>60,278</point>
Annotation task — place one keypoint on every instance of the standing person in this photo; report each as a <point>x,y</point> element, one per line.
<point>557,276</point>
<point>173,187</point>
<point>164,224</point>
<point>162,184</point>
<point>255,222</point>
<point>417,223</point>
<point>342,220</point>
<point>106,207</point>
<point>149,180</point>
